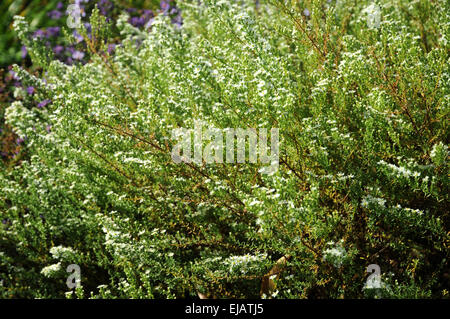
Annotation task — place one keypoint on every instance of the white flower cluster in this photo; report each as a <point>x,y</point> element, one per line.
<point>62,253</point>
<point>372,200</point>
<point>244,262</point>
<point>400,171</point>
<point>51,270</point>
<point>336,254</point>
<point>439,153</point>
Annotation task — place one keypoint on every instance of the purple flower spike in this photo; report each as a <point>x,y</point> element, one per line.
<point>31,90</point>
<point>44,103</point>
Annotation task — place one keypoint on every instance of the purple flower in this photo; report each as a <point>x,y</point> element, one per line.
<point>105,6</point>
<point>306,12</point>
<point>48,128</point>
<point>137,21</point>
<point>55,14</point>
<point>38,34</point>
<point>58,49</point>
<point>148,13</point>
<point>24,52</point>
<point>149,23</point>
<point>77,36</point>
<point>19,140</point>
<point>88,27</point>
<point>53,31</point>
<point>178,20</point>
<point>59,5</point>
<point>14,74</point>
<point>31,90</point>
<point>165,6</point>
<point>78,55</point>
<point>78,3</point>
<point>143,19</point>
<point>111,48</point>
<point>44,103</point>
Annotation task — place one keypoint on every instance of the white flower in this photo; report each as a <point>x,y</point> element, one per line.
<point>51,270</point>
<point>335,255</point>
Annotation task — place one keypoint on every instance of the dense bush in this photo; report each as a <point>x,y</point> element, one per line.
<point>362,111</point>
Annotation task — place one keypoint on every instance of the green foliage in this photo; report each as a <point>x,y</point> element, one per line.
<point>363,178</point>
<point>9,44</point>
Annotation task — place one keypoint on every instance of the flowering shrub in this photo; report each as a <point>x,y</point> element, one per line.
<point>361,104</point>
